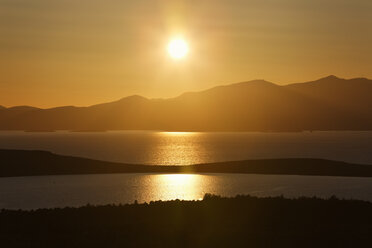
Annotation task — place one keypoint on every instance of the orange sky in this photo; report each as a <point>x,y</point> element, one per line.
<point>69,52</point>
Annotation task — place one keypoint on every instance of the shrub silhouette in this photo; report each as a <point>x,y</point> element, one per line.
<point>242,221</point>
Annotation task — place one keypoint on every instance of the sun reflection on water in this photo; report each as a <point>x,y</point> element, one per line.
<point>178,186</point>
<point>179,133</point>
<point>178,148</point>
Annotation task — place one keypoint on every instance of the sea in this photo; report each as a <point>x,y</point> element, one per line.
<point>182,148</point>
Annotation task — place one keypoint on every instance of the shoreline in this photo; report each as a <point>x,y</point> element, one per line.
<point>17,163</point>
<point>240,221</point>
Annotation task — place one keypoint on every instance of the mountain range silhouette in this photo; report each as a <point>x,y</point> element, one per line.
<point>330,103</point>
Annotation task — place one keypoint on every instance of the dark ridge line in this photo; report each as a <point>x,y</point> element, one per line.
<point>15,163</point>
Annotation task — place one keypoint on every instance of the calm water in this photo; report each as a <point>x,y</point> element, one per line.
<point>61,191</point>
<point>193,147</point>
<point>182,148</point>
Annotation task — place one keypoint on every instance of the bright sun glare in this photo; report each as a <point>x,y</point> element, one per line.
<point>178,48</point>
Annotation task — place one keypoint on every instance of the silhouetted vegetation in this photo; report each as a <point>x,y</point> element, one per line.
<point>243,221</point>
<point>33,163</point>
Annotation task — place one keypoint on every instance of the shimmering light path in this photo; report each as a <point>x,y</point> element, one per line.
<point>182,148</point>
<point>61,191</point>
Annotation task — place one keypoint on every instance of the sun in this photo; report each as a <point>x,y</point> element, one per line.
<point>178,48</point>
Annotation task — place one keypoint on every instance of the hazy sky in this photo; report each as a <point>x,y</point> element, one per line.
<point>82,52</point>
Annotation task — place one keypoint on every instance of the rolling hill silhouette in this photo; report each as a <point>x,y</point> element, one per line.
<point>38,163</point>
<point>329,103</point>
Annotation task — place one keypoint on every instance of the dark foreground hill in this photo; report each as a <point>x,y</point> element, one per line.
<point>243,221</point>
<point>36,163</point>
<point>329,103</point>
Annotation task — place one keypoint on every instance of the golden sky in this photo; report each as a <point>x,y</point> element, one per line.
<point>69,52</point>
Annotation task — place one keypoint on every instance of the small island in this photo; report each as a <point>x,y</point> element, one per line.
<point>37,163</point>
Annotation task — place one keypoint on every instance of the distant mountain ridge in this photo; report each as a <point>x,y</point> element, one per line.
<point>330,103</point>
